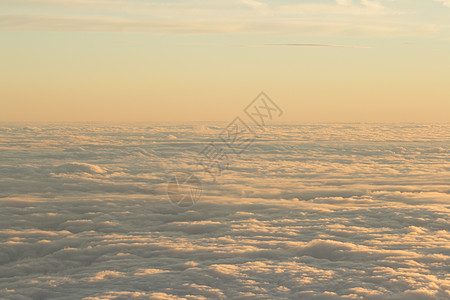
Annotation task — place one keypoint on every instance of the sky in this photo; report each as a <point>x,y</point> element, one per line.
<point>187,60</point>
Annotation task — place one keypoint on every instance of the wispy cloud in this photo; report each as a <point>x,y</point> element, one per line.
<point>343,17</point>
<point>198,26</point>
<point>444,2</point>
<point>308,45</point>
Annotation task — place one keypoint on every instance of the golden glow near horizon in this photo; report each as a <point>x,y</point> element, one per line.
<point>322,61</point>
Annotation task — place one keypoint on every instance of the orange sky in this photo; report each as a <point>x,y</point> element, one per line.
<point>326,61</point>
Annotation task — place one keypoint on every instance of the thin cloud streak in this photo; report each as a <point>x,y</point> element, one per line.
<point>123,24</point>
<point>309,45</point>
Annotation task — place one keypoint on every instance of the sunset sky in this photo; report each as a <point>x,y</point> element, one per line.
<point>186,60</point>
<point>137,162</point>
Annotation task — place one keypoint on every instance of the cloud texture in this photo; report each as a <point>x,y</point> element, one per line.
<point>348,211</point>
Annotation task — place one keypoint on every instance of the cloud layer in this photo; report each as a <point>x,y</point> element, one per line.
<point>343,211</point>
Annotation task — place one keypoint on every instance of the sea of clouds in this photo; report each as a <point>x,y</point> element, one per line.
<point>327,211</point>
